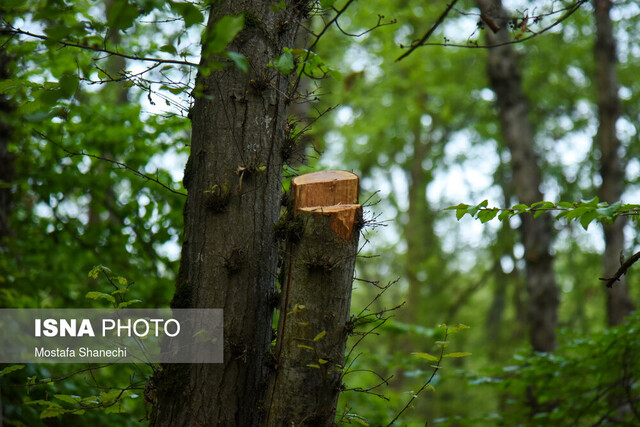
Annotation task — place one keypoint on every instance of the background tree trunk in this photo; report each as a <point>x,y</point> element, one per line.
<point>619,303</point>
<point>7,159</point>
<point>7,170</point>
<point>229,253</point>
<point>518,135</point>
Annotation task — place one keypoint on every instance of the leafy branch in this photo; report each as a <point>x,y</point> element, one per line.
<point>438,362</point>
<point>9,29</point>
<point>585,211</point>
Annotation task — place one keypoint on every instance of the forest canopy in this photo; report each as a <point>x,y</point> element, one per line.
<point>148,158</point>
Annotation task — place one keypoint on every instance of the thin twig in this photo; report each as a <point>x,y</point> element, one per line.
<point>115,162</point>
<point>12,30</point>
<point>570,12</point>
<point>428,33</point>
<point>436,368</point>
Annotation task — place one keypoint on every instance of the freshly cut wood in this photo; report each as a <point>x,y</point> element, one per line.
<point>325,188</point>
<point>343,217</point>
<point>333,193</point>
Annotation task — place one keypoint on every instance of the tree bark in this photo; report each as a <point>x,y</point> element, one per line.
<point>7,166</point>
<point>619,304</point>
<point>315,302</point>
<point>7,159</point>
<point>518,135</point>
<point>229,253</point>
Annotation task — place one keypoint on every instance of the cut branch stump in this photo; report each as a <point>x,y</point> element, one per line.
<point>315,300</point>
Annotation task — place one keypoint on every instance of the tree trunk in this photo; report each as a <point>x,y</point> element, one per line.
<point>619,303</point>
<point>7,159</point>
<point>518,135</point>
<point>7,166</point>
<point>229,253</point>
<point>315,300</point>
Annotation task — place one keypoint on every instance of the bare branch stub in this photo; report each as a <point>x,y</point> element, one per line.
<point>622,270</point>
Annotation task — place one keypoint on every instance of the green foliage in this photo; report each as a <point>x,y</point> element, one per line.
<point>584,212</point>
<point>589,380</point>
<point>284,63</point>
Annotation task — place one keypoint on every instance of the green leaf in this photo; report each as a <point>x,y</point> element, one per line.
<point>326,4</point>
<point>51,412</point>
<point>121,15</point>
<point>521,208</point>
<point>49,97</point>
<point>426,356</point>
<point>191,14</point>
<point>67,398</point>
<point>57,32</point>
<point>474,209</point>
<point>284,63</point>
<point>305,346</point>
<point>320,336</point>
<point>458,328</point>
<point>587,218</point>
<point>442,344</point>
<point>95,271</point>
<point>69,84</point>
<point>609,211</point>
<point>505,214</point>
<point>169,48</point>
<point>311,365</point>
<point>240,60</point>
<point>593,202</point>
<point>457,355</point>
<point>128,303</point>
<point>281,5</point>
<point>577,212</point>
<point>541,207</point>
<point>10,369</point>
<point>487,215</point>
<point>98,295</point>
<point>430,387</point>
<point>224,31</point>
<point>461,210</point>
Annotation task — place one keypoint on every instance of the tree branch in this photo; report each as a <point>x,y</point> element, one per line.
<point>428,33</point>
<point>9,29</point>
<point>622,270</point>
<point>115,162</point>
<point>570,11</point>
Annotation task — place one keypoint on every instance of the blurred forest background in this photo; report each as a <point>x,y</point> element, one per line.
<point>93,148</point>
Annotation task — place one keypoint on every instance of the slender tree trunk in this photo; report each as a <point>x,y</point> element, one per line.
<point>619,303</point>
<point>518,135</point>
<point>229,252</point>
<point>7,167</point>
<point>316,300</point>
<point>7,159</point>
<point>116,94</point>
<point>418,230</point>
